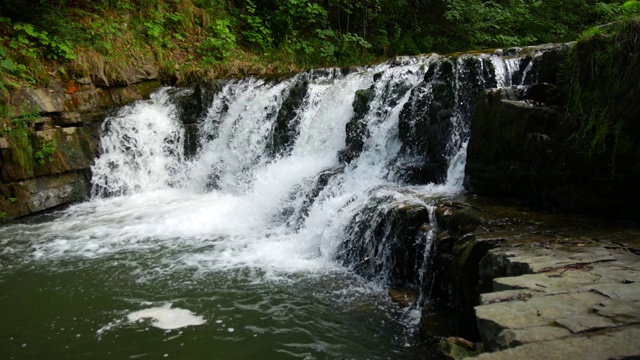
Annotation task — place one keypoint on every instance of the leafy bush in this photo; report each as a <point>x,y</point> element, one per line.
<point>218,45</point>
<point>256,33</point>
<point>45,152</point>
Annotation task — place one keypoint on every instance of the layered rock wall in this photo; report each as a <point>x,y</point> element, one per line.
<point>569,141</point>
<point>50,137</point>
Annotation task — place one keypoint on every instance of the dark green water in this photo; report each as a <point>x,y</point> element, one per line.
<point>76,308</point>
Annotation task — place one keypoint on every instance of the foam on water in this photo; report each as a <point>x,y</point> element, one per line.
<point>250,236</point>
<point>167,318</point>
<point>233,205</point>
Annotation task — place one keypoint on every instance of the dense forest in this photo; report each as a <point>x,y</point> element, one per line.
<point>186,37</point>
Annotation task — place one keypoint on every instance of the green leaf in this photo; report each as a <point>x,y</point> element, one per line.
<point>7,65</point>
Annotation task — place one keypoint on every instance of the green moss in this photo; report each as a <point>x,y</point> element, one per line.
<point>599,80</point>
<point>19,138</point>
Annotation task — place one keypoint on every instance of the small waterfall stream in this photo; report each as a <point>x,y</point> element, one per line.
<point>298,194</point>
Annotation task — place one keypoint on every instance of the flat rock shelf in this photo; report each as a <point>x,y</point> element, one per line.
<point>551,286</point>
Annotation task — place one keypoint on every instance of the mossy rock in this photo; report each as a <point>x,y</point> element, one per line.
<point>73,149</point>
<point>457,348</point>
<point>17,155</point>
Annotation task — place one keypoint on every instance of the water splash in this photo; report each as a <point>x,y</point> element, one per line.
<point>142,149</point>
<point>237,203</point>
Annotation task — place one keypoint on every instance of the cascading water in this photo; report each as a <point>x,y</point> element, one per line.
<point>292,186</point>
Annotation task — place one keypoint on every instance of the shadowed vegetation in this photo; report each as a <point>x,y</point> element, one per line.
<point>191,39</point>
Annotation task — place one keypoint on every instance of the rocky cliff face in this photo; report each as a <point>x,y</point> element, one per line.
<point>566,142</point>
<point>49,139</point>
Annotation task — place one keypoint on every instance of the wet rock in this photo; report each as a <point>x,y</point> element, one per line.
<point>457,348</point>
<point>356,129</point>
<point>547,66</point>
<point>544,93</point>
<point>73,149</point>
<point>31,196</point>
<point>191,139</point>
<point>403,297</point>
<point>545,154</point>
<point>320,182</point>
<point>286,130</point>
<point>514,147</point>
<point>386,241</point>
<point>428,118</point>
<point>119,96</point>
<point>436,322</point>
<point>192,103</point>
<point>424,124</point>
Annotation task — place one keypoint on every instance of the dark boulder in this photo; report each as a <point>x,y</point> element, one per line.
<point>285,130</point>
<point>356,129</point>
<point>388,242</point>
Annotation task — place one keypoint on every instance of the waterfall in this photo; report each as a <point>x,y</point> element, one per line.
<point>328,169</point>
<point>270,214</point>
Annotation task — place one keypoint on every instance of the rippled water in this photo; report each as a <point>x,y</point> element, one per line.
<point>71,298</point>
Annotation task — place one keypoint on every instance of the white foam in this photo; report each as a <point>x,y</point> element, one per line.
<point>230,206</point>
<point>167,318</point>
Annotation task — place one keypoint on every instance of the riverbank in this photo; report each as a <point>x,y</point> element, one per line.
<point>540,285</point>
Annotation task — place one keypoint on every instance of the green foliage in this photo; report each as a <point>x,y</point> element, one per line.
<point>192,34</point>
<point>29,42</point>
<point>256,33</point>
<point>5,62</point>
<point>597,78</point>
<point>45,152</point>
<point>219,44</point>
<point>3,215</point>
<point>632,7</point>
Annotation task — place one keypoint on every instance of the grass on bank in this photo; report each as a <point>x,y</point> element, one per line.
<point>184,39</point>
<point>189,40</point>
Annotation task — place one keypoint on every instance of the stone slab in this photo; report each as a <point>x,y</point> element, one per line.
<point>622,312</point>
<point>44,192</point>
<point>616,272</point>
<point>587,322</point>
<point>614,344</point>
<point>507,295</point>
<point>538,311</point>
<point>514,337</point>
<point>619,291</point>
<point>26,101</point>
<point>548,259</point>
<point>549,282</point>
